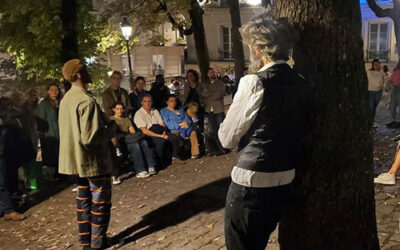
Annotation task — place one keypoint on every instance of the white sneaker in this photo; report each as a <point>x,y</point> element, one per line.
<point>152,171</point>
<point>75,189</point>
<point>143,174</point>
<point>385,178</point>
<point>116,180</point>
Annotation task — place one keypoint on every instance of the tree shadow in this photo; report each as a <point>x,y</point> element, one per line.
<point>208,198</point>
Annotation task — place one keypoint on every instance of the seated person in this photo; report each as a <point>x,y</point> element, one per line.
<point>191,112</point>
<point>138,148</point>
<point>177,121</point>
<point>149,121</point>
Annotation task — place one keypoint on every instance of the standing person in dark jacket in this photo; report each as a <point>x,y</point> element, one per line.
<point>159,92</point>
<point>138,91</point>
<point>267,120</point>
<point>6,206</point>
<point>47,126</point>
<point>115,93</point>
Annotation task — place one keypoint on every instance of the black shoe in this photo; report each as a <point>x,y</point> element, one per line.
<point>110,243</point>
<point>392,124</point>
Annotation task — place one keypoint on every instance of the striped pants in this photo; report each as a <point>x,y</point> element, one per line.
<point>93,209</point>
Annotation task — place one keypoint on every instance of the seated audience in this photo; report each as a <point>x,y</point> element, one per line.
<point>177,121</point>
<point>137,147</point>
<point>149,121</point>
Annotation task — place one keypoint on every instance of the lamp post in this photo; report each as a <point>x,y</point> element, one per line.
<point>126,29</point>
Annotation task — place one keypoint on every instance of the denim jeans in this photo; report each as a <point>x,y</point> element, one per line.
<point>142,155</point>
<point>6,205</point>
<point>374,99</point>
<point>395,102</point>
<point>212,142</point>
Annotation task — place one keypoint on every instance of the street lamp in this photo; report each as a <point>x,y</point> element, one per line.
<point>126,29</point>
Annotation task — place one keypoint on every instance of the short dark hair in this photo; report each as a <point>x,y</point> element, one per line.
<point>138,78</point>
<point>146,95</point>
<point>116,72</point>
<point>85,76</point>
<point>171,96</point>
<point>118,103</point>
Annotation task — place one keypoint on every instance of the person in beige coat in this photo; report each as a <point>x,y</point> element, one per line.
<point>85,150</point>
<point>213,100</point>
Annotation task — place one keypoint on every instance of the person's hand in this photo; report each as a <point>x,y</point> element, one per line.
<point>184,125</point>
<point>164,136</point>
<point>114,141</point>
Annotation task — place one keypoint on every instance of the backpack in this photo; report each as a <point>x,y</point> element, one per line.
<point>396,77</point>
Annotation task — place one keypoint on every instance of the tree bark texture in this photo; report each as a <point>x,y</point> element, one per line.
<point>196,15</point>
<point>335,206</point>
<point>69,43</point>
<point>237,51</point>
<point>393,13</point>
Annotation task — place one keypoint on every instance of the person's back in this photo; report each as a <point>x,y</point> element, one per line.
<point>79,152</point>
<point>278,128</point>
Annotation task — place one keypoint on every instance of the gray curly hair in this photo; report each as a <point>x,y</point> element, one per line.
<point>273,38</point>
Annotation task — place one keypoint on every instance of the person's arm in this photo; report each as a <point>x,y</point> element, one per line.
<point>106,104</point>
<point>242,111</point>
<point>131,128</point>
<point>152,134</point>
<point>166,119</point>
<point>186,118</point>
<point>92,128</point>
<point>42,125</point>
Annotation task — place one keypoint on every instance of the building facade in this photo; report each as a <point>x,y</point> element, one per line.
<point>378,35</point>
<point>217,25</point>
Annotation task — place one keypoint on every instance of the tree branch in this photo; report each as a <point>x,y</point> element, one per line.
<point>379,11</point>
<point>182,30</point>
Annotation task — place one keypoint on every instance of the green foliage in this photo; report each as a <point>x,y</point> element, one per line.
<point>31,32</point>
<point>98,73</point>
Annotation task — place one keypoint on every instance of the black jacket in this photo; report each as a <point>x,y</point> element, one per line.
<point>274,141</point>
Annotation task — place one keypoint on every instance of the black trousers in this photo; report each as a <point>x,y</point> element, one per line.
<point>252,214</point>
<point>6,205</point>
<point>174,142</point>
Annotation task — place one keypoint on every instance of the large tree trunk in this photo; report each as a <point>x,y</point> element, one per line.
<point>237,52</point>
<point>196,15</point>
<point>335,208</point>
<point>69,43</point>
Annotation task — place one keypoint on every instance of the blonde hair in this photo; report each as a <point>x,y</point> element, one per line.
<point>273,38</point>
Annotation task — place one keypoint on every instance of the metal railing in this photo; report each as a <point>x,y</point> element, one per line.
<point>225,56</point>
<point>381,55</point>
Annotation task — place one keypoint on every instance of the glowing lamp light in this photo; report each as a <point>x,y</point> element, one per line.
<point>253,2</point>
<point>126,28</point>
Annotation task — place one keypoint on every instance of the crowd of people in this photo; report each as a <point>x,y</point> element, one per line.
<point>384,85</point>
<point>152,129</point>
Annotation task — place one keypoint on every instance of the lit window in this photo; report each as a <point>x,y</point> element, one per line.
<point>158,65</point>
<point>226,36</point>
<point>378,41</point>
<point>251,2</point>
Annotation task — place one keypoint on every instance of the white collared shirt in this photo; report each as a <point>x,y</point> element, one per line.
<point>244,108</point>
<point>143,119</point>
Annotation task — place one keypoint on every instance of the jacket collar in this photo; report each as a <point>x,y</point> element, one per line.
<point>269,65</point>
